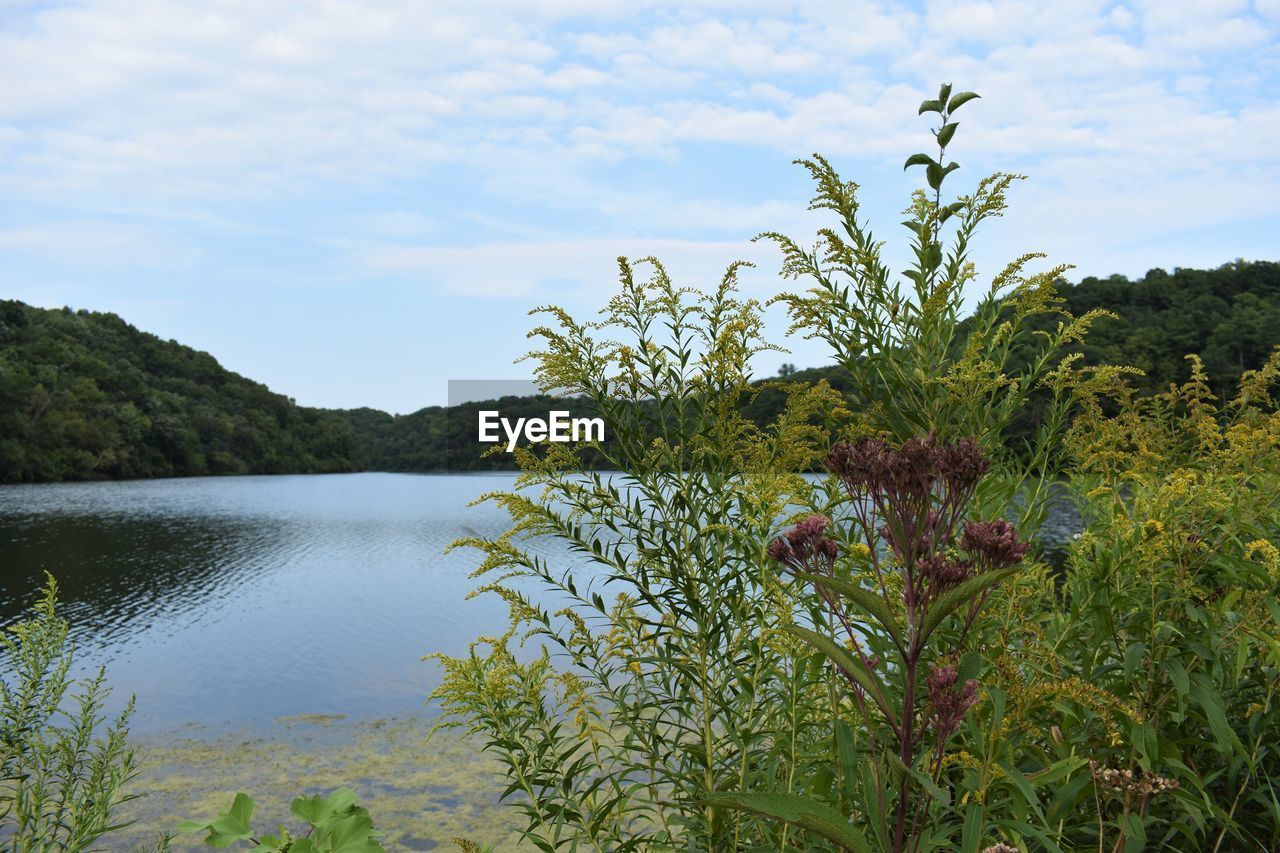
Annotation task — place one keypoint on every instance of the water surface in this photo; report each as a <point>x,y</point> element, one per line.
<point>231,600</point>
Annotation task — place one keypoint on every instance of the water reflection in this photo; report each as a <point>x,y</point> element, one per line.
<point>235,599</point>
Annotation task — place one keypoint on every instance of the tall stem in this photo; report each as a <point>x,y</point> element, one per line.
<point>907,749</point>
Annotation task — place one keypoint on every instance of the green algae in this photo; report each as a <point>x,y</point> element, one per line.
<point>421,793</point>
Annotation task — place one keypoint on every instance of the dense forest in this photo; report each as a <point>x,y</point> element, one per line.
<point>84,395</point>
<point>87,396</point>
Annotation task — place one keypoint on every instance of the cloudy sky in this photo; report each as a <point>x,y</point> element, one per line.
<point>356,202</point>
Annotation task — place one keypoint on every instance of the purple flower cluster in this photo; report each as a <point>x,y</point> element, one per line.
<point>950,701</point>
<point>872,466</point>
<point>993,544</point>
<point>805,547</point>
<point>942,573</point>
<point>907,504</point>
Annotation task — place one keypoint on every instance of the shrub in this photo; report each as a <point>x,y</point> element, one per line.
<point>62,774</point>
<point>693,680</point>
<point>1172,604</point>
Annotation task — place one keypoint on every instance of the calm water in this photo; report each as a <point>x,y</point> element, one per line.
<point>235,600</point>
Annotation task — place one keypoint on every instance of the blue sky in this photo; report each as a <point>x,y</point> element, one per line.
<point>356,202</point>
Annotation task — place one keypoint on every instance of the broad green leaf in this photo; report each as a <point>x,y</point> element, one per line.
<point>311,809</point>
<point>814,816</point>
<point>870,602</point>
<point>353,834</point>
<point>959,99</point>
<point>233,825</point>
<point>917,160</point>
<point>849,665</point>
<point>933,106</point>
<point>962,593</point>
<point>946,132</point>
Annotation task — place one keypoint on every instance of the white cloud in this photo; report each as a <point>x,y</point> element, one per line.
<point>144,103</point>
<point>572,268</point>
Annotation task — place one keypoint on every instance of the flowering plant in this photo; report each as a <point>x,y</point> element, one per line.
<point>924,563</point>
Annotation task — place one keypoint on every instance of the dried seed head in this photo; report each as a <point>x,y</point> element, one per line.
<point>950,701</point>
<point>805,547</point>
<point>943,573</point>
<point>993,544</point>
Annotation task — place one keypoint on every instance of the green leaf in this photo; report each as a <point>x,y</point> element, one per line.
<point>849,665</point>
<point>1133,657</point>
<point>192,826</point>
<point>846,756</point>
<point>1056,771</point>
<point>930,107</point>
<point>950,210</point>
<point>971,836</point>
<point>353,834</point>
<point>925,781</point>
<point>870,602</point>
<point>946,132</point>
<point>959,99</point>
<point>814,816</point>
<point>232,826</point>
<point>962,593</point>
<point>1215,715</point>
<point>934,175</point>
<point>1178,675</point>
<point>944,92</point>
<point>317,809</point>
<point>917,160</point>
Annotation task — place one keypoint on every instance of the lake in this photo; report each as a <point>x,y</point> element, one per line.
<point>227,601</point>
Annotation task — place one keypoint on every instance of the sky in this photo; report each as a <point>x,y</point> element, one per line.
<point>358,202</point>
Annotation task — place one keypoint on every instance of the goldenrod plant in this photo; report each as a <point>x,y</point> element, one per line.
<point>1172,604</point>
<point>63,767</point>
<point>663,666</point>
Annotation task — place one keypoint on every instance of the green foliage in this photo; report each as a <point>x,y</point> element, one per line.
<point>87,396</point>
<point>1229,317</point>
<point>683,682</point>
<point>160,409</point>
<point>62,774</point>
<point>335,824</point>
<point>1128,704</point>
<point>805,812</point>
<point>911,365</point>
<point>1171,607</point>
<point>706,680</point>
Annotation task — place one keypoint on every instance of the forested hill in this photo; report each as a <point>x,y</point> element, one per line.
<point>86,396</point>
<point>1229,316</point>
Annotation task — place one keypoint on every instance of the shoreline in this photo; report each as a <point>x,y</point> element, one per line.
<point>422,793</point>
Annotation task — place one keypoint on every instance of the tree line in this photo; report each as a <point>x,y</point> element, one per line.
<point>84,395</point>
